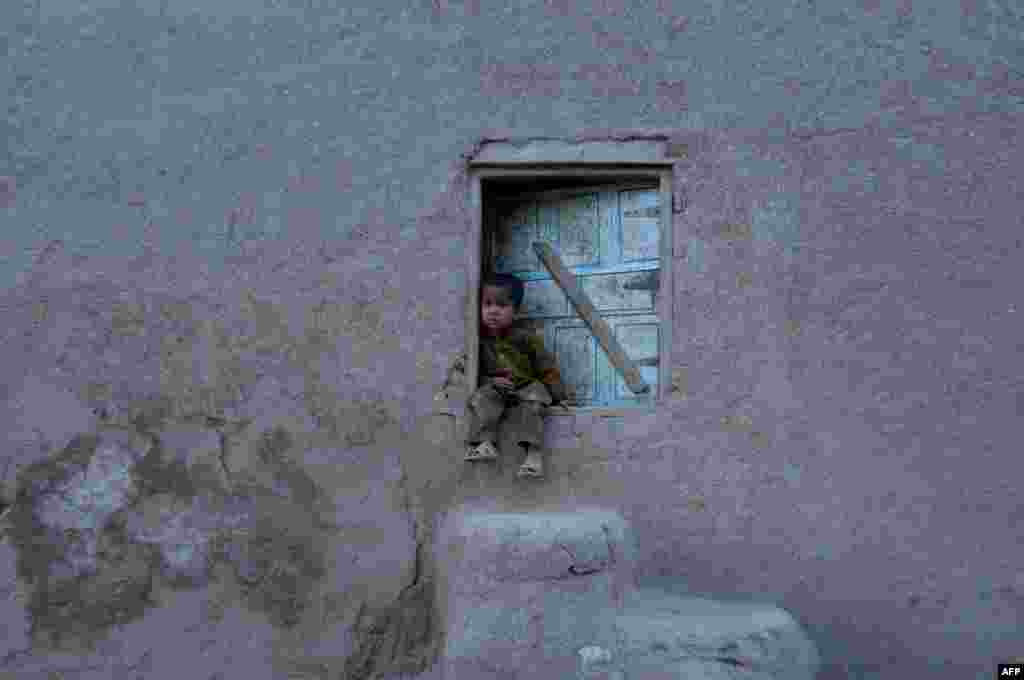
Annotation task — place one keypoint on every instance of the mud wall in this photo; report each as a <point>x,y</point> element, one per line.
<point>238,234</point>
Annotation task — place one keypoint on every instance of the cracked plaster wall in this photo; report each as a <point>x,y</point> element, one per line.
<point>237,240</point>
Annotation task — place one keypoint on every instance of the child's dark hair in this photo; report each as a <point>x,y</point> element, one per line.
<point>509,282</point>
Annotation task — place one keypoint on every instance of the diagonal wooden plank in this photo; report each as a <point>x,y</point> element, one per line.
<point>585,308</point>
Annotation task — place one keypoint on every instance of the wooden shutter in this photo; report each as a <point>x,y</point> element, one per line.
<point>607,236</point>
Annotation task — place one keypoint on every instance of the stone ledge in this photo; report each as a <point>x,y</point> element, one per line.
<point>639,152</point>
<point>550,595</point>
<point>661,632</point>
<point>541,546</point>
<point>518,588</point>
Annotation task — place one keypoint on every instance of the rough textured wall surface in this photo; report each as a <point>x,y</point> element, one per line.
<point>234,272</point>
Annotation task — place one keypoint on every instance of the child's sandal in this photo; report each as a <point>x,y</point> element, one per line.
<point>483,451</point>
<point>531,469</point>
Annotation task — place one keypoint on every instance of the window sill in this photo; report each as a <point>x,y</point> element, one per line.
<point>598,411</point>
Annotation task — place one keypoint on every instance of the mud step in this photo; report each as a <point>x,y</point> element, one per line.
<point>550,595</point>
<point>526,591</point>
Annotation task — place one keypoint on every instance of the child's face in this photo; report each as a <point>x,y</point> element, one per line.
<point>496,311</point>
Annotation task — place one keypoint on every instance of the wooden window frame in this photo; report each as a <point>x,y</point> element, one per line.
<point>661,172</point>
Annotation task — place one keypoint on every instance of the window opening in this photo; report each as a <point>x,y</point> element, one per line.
<point>610,231</point>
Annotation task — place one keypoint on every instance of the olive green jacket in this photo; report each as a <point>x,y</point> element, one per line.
<point>523,353</point>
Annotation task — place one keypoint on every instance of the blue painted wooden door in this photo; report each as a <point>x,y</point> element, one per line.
<point>609,238</point>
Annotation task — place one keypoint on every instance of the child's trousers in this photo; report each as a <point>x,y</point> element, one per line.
<point>521,408</point>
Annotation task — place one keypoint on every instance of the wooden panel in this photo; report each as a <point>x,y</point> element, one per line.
<point>618,292</point>
<point>585,309</point>
<point>517,224</point>
<point>578,227</point>
<point>547,217</point>
<point>640,339</point>
<point>574,348</point>
<point>641,211</point>
<point>544,298</point>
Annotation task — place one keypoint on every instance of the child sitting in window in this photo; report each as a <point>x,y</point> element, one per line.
<point>518,377</point>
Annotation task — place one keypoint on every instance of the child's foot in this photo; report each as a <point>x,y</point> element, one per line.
<point>532,467</point>
<point>483,451</point>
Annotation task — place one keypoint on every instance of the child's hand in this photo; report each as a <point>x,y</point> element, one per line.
<point>503,382</point>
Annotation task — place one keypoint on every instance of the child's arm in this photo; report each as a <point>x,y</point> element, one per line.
<point>546,368</point>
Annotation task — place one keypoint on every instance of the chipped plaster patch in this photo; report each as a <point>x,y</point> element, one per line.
<point>65,504</point>
<point>92,495</point>
<point>76,518</point>
<point>40,419</point>
<point>737,231</point>
<point>181,534</point>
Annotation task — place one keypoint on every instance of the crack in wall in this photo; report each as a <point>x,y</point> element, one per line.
<point>572,559</point>
<point>608,541</point>
<point>222,457</point>
<point>403,636</point>
<point>578,569</point>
